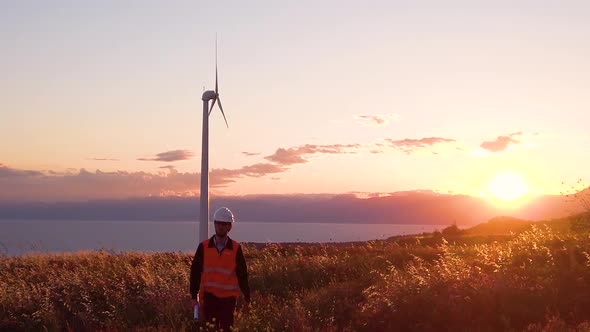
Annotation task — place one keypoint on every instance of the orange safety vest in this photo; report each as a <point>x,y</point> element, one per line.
<point>219,271</point>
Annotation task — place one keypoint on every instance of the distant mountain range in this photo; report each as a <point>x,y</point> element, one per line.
<point>410,207</point>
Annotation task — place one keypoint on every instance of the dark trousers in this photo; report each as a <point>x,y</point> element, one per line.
<point>222,309</point>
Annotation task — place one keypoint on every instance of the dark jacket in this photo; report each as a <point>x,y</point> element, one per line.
<point>197,269</point>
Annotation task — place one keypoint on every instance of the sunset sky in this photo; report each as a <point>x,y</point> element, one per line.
<point>102,99</point>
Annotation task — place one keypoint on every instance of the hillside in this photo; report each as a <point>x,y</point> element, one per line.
<point>499,226</point>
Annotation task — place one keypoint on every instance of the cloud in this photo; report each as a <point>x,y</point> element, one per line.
<point>262,169</point>
<point>170,156</point>
<point>409,145</point>
<point>24,185</point>
<point>501,143</point>
<point>287,157</point>
<point>298,155</point>
<point>11,173</point>
<point>223,176</point>
<point>103,159</point>
<point>82,184</point>
<point>375,120</point>
<point>74,184</point>
<point>250,154</point>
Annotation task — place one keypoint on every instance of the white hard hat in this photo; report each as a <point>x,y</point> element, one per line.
<point>223,214</point>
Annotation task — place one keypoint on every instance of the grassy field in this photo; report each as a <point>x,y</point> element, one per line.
<point>506,275</point>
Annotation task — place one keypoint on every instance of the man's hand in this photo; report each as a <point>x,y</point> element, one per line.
<point>201,310</point>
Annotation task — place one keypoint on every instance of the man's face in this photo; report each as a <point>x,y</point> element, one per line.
<point>222,228</point>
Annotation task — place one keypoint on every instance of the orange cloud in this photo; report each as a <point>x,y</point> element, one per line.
<point>287,157</point>
<point>81,185</point>
<point>297,155</point>
<point>409,145</point>
<point>501,143</point>
<point>222,176</point>
<point>374,120</point>
<point>170,156</point>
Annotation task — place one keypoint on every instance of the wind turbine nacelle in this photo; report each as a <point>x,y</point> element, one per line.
<point>208,95</point>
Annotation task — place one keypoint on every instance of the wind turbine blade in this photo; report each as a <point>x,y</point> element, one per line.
<point>212,104</point>
<point>222,113</point>
<point>216,87</point>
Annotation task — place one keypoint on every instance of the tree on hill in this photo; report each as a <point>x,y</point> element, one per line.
<point>451,231</point>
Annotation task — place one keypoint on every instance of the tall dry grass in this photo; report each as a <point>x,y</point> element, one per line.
<point>536,280</point>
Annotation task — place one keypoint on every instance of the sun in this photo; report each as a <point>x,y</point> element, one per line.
<point>507,186</point>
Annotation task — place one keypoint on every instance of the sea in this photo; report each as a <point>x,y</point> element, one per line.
<point>19,237</point>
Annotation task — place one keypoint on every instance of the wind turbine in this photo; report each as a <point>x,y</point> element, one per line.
<point>204,208</point>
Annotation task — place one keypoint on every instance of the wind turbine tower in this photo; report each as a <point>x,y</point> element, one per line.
<point>204,208</point>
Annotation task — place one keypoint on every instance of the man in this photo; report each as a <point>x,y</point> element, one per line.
<point>218,273</point>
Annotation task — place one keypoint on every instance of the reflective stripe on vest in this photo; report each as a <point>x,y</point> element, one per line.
<point>219,270</point>
<point>216,285</point>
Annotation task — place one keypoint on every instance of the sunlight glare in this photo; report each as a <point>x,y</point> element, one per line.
<point>507,186</point>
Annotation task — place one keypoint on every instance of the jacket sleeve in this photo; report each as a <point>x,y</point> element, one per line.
<point>242,274</point>
<point>196,270</point>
